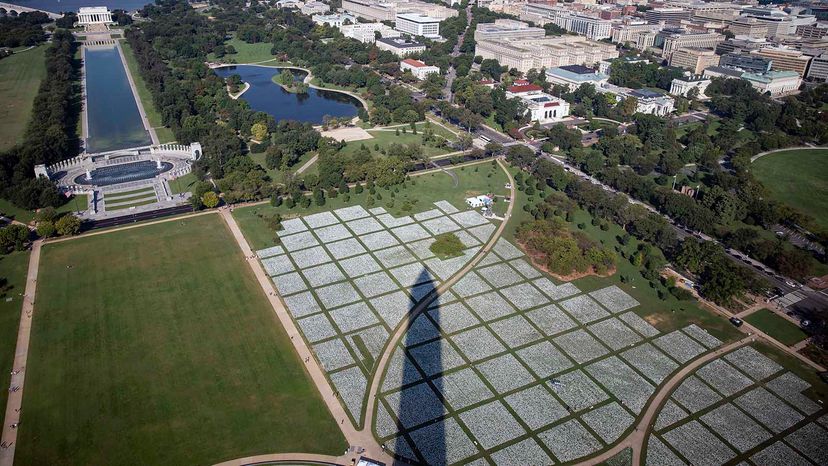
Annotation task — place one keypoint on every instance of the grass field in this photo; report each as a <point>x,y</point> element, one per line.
<point>170,355</point>
<point>798,178</point>
<point>13,268</point>
<point>419,196</point>
<point>183,184</point>
<point>10,210</point>
<point>20,76</point>
<point>246,53</point>
<point>164,134</point>
<point>776,326</point>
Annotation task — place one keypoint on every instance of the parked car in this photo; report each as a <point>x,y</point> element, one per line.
<point>736,321</point>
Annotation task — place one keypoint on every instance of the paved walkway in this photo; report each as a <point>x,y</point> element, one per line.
<point>404,324</point>
<point>307,165</point>
<point>637,438</point>
<point>354,437</point>
<point>21,354</point>
<point>762,154</point>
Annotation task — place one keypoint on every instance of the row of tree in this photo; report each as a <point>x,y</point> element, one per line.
<point>50,135</point>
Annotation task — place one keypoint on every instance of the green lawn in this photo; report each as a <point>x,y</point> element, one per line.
<point>383,138</point>
<point>183,184</point>
<point>20,76</point>
<point>169,355</point>
<point>417,195</point>
<point>246,53</point>
<point>798,178</point>
<point>776,326</point>
<point>13,268</point>
<point>259,157</point>
<point>164,134</point>
<point>76,203</point>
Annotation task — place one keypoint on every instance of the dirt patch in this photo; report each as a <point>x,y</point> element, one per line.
<point>347,134</point>
<point>537,259</point>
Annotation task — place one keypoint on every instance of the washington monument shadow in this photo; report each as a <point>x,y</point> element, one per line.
<point>414,407</point>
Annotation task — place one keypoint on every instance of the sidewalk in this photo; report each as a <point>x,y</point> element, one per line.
<point>21,354</point>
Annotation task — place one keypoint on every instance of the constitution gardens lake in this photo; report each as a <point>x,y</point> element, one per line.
<point>267,96</point>
<point>112,114</point>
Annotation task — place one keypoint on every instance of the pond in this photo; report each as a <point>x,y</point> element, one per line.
<point>266,96</point>
<point>124,173</point>
<point>112,114</point>
<point>58,6</point>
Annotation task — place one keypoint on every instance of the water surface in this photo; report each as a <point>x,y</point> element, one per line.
<point>112,114</point>
<point>266,96</point>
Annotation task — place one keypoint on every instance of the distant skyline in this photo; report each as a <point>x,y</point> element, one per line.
<point>58,6</point>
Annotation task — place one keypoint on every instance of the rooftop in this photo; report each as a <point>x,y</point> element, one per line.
<point>399,42</point>
<point>414,63</point>
<point>520,88</point>
<point>417,18</point>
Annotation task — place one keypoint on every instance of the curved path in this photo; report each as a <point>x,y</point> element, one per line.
<point>637,438</point>
<point>419,308</point>
<point>762,154</point>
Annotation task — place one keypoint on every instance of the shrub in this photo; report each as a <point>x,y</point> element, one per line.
<point>447,245</point>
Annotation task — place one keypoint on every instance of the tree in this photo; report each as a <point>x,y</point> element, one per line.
<point>319,197</point>
<point>13,238</point>
<point>259,131</point>
<point>68,225</point>
<point>46,229</point>
<point>210,199</point>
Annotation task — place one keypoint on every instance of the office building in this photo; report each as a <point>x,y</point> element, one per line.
<point>591,27</point>
<point>399,46</point>
<point>818,71</point>
<point>748,27</point>
<point>673,41</point>
<point>693,59</point>
<point>681,86</point>
<point>783,59</point>
<point>639,35</point>
<point>419,69</point>
<point>743,45</point>
<point>547,52</point>
<point>666,15</point>
<point>815,31</point>
<point>749,63</point>
<point>367,32</point>
<point>386,10</point>
<point>417,24</point>
<point>775,83</point>
<point>507,29</point>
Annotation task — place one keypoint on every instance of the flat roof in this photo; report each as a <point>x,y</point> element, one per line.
<point>400,43</point>
<point>417,18</point>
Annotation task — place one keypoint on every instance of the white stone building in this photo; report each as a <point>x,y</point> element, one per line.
<point>507,29</point>
<point>399,46</point>
<point>649,102</point>
<point>774,82</point>
<point>367,32</point>
<point>313,7</point>
<point>88,16</point>
<point>419,69</point>
<point>547,52</point>
<point>336,20</point>
<point>681,86</point>
<point>541,107</point>
<point>417,24</point>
